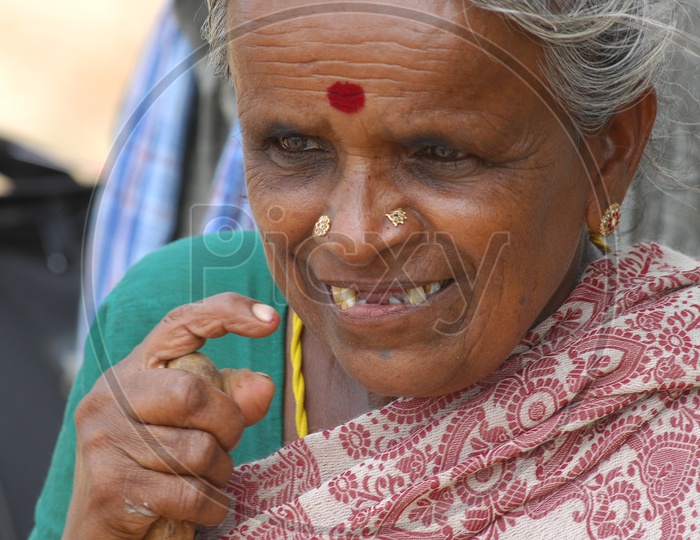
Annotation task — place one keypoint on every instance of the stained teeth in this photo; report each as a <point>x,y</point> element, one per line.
<point>416,296</point>
<point>344,298</point>
<point>340,293</point>
<point>434,287</point>
<point>350,302</point>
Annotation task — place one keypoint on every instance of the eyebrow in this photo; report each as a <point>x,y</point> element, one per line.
<point>289,128</point>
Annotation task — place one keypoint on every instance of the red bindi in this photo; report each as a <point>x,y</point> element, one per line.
<point>346,97</point>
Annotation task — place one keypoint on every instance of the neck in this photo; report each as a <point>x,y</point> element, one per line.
<point>585,254</point>
<point>332,396</point>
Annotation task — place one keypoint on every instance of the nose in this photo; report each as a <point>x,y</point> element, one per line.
<point>368,213</point>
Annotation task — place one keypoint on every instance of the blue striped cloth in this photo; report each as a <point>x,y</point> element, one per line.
<point>138,204</point>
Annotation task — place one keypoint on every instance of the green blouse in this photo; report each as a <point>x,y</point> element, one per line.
<point>185,271</point>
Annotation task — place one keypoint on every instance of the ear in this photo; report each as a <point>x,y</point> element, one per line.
<point>617,150</point>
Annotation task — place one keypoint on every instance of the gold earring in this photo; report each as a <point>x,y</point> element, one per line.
<point>610,220</point>
<point>323,225</point>
<point>397,217</point>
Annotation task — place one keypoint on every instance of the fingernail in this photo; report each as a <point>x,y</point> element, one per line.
<point>263,375</point>
<point>263,312</point>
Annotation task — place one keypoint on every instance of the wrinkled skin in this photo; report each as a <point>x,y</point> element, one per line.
<point>138,413</point>
<point>499,192</point>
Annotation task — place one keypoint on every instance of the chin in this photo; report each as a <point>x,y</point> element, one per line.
<point>402,374</point>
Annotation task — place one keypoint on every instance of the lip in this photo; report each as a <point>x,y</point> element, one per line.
<point>375,313</point>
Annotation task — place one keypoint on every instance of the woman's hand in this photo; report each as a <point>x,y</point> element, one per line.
<point>154,442</point>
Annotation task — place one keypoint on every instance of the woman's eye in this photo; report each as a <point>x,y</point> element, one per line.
<point>442,153</point>
<point>438,163</point>
<point>298,143</point>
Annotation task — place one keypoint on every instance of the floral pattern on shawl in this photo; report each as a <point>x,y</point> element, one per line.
<point>591,426</point>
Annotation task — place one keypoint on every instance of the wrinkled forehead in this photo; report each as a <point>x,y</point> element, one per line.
<point>248,10</point>
<point>444,54</point>
<point>437,25</point>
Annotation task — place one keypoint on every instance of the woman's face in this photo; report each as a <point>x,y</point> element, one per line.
<point>354,115</point>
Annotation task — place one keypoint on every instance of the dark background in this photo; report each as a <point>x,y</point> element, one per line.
<point>41,226</point>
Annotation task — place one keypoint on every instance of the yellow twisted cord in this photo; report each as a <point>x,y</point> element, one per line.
<point>298,386</point>
<point>598,242</point>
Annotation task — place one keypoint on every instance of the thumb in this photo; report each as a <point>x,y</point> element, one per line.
<point>251,391</point>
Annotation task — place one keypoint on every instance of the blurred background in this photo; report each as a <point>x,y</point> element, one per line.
<point>64,67</point>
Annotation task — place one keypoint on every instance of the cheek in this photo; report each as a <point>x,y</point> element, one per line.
<point>546,231</point>
<point>509,235</point>
<point>285,221</point>
<point>277,208</point>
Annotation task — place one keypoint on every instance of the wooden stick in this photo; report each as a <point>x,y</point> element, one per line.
<point>201,365</point>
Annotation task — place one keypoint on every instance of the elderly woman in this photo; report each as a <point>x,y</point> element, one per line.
<point>425,177</point>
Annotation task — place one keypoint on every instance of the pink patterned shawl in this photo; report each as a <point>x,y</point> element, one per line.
<point>590,429</point>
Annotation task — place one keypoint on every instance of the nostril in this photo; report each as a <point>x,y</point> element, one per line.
<point>360,233</point>
<point>352,250</point>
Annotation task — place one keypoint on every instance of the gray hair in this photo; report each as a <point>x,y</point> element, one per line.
<point>600,55</point>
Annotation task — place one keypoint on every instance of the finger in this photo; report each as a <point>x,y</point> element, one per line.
<point>184,452</point>
<point>186,328</point>
<point>252,392</point>
<point>180,497</point>
<point>179,399</point>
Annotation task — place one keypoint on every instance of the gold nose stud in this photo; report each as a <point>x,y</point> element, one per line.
<point>323,225</point>
<point>397,217</point>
